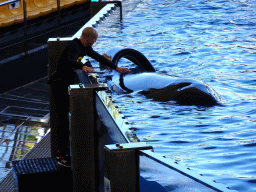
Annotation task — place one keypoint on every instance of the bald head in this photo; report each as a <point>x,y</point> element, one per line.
<point>89,36</point>
<point>89,31</point>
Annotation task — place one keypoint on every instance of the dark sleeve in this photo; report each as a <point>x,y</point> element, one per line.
<point>93,54</point>
<point>73,53</point>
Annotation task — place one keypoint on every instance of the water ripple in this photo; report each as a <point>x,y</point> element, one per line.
<point>212,41</point>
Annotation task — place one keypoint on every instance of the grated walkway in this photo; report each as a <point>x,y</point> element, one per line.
<point>41,150</point>
<point>24,124</point>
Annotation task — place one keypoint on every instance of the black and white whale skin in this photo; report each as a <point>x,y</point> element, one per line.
<point>161,87</point>
<point>157,86</point>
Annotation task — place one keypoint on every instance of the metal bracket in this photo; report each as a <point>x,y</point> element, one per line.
<point>96,87</point>
<point>128,146</point>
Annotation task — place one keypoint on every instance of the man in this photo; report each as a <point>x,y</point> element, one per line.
<point>64,76</point>
<point>70,58</point>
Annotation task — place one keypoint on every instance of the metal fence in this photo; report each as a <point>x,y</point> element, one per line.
<point>25,19</point>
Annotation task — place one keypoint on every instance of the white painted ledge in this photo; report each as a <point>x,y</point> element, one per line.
<point>97,19</point>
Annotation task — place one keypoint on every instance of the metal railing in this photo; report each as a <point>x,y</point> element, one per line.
<point>25,20</point>
<point>8,2</point>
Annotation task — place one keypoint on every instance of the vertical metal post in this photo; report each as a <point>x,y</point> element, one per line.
<point>83,136</point>
<point>59,17</point>
<point>25,27</point>
<point>122,166</point>
<point>55,48</point>
<point>121,11</point>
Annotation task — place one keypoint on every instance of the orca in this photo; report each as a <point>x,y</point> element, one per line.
<point>157,86</point>
<point>162,87</point>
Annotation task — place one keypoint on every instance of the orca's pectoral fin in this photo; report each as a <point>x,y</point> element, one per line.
<point>148,91</point>
<point>181,85</point>
<point>164,94</point>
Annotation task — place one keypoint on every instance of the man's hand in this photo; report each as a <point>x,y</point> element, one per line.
<point>88,69</point>
<point>122,70</point>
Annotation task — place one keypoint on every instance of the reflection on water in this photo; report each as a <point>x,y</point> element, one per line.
<point>211,41</point>
<point>23,121</point>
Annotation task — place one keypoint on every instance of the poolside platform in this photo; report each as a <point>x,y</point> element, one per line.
<point>41,150</point>
<point>20,109</point>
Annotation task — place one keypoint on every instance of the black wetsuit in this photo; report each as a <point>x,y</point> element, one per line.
<point>70,60</point>
<point>64,76</point>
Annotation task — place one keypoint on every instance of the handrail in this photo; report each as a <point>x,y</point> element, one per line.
<point>59,18</point>
<point>8,2</point>
<point>25,19</point>
<point>25,26</point>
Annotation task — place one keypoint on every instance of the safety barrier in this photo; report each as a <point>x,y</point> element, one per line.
<point>13,11</point>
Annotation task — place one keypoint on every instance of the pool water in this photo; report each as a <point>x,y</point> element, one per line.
<point>209,40</point>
